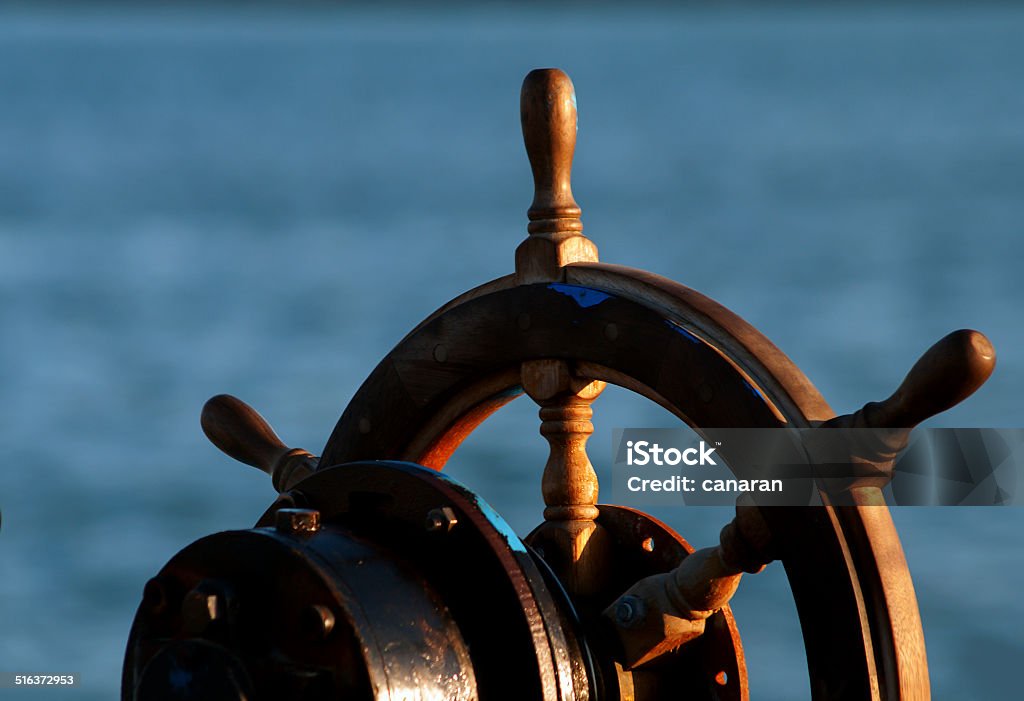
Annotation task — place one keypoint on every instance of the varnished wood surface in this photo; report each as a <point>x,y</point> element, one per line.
<point>486,336</point>
<point>577,547</point>
<point>239,431</point>
<point>755,356</point>
<point>548,115</point>
<point>547,106</point>
<point>948,372</point>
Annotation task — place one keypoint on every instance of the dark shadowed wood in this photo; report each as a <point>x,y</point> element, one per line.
<point>748,349</point>
<point>485,336</point>
<point>240,432</point>
<point>949,372</point>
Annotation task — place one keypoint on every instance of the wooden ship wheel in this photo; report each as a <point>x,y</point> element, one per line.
<point>375,576</point>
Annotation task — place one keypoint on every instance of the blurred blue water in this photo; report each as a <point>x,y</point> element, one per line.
<point>264,202</point>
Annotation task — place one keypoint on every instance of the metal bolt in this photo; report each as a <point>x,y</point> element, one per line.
<point>200,608</point>
<point>629,611</point>
<point>440,353</point>
<point>318,621</point>
<point>442,519</point>
<point>611,331</point>
<point>297,521</point>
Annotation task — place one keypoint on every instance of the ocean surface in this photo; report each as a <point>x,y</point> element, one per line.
<point>262,202</point>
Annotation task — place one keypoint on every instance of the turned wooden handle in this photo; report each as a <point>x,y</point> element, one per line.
<point>949,372</point>
<point>548,112</point>
<point>238,430</point>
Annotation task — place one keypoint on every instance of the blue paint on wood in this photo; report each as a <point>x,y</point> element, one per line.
<point>682,332</point>
<point>585,297</point>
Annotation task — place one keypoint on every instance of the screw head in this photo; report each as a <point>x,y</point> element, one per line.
<point>441,520</point>
<point>318,621</point>
<point>297,521</point>
<point>630,611</point>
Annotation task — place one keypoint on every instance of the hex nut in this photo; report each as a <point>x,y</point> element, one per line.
<point>441,520</point>
<point>297,521</point>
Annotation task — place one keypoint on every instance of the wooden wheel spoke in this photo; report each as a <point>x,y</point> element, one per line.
<point>573,541</point>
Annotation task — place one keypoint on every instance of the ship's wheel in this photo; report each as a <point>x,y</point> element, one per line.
<point>564,323</point>
<point>560,328</point>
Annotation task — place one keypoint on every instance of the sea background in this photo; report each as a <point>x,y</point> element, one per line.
<point>262,201</point>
